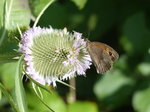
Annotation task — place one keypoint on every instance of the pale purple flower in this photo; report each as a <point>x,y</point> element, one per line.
<point>54,54</point>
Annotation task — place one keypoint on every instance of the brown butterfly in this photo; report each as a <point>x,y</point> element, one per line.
<point>102,55</point>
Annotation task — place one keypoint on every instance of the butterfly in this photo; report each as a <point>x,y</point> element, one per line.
<point>102,55</point>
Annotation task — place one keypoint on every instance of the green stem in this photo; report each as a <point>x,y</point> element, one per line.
<point>37,19</point>
<point>72,92</point>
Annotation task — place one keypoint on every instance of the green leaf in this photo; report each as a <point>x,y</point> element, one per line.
<point>144,68</point>
<point>80,3</point>
<point>17,13</point>
<point>14,13</point>
<point>136,34</point>
<point>0,95</point>
<point>11,101</point>
<point>7,75</point>
<point>52,100</point>
<point>112,88</point>
<point>38,84</point>
<point>2,2</point>
<point>8,53</point>
<point>141,99</point>
<point>83,106</point>
<point>8,49</point>
<point>38,92</point>
<point>8,57</point>
<point>65,84</point>
<point>19,89</point>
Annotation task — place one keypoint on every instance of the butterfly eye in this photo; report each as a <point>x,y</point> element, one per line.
<point>110,53</point>
<point>112,56</point>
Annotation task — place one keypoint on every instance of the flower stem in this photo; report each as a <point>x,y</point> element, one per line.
<point>72,92</point>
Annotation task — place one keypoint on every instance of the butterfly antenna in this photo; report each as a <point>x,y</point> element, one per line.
<point>88,34</point>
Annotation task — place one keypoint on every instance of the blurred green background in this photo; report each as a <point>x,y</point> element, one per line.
<point>122,24</point>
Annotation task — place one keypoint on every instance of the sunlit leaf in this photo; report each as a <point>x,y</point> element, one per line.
<point>144,68</point>
<point>14,13</point>
<point>114,87</point>
<point>83,106</point>
<point>54,101</point>
<point>39,94</point>
<point>7,75</point>
<point>2,2</point>
<point>17,13</point>
<point>141,99</point>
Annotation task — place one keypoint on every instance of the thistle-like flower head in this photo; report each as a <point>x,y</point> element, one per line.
<point>54,54</point>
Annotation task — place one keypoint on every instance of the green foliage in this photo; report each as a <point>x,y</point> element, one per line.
<point>38,5</point>
<point>9,98</point>
<point>19,89</point>
<point>80,3</point>
<point>82,106</point>
<point>52,100</point>
<point>144,68</point>
<point>14,13</point>
<point>137,33</point>
<point>7,75</point>
<point>141,99</point>
<point>124,25</point>
<point>114,88</point>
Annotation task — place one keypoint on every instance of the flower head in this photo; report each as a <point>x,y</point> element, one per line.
<point>54,54</point>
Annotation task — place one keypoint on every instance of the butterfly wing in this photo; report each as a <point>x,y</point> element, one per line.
<point>100,58</point>
<point>110,51</point>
